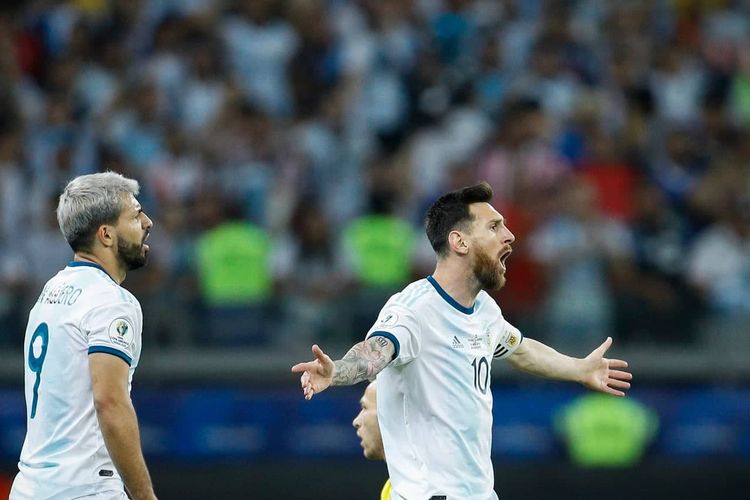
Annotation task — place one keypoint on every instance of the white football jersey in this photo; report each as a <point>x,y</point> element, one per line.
<point>434,398</point>
<point>80,311</point>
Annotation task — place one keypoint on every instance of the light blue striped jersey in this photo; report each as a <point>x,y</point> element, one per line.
<point>434,398</point>
<point>80,311</point>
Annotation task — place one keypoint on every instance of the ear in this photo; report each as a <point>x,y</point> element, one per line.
<point>458,243</point>
<point>106,235</point>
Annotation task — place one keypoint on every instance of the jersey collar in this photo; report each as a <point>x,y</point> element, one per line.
<point>450,300</point>
<point>80,263</point>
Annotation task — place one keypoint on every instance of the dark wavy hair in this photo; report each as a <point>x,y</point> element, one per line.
<point>451,212</point>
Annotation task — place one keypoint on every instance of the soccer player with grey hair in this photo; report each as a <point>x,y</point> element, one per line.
<point>81,348</point>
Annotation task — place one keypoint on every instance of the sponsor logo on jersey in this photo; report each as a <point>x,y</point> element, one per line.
<point>456,344</point>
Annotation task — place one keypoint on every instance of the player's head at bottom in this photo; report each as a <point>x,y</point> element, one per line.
<point>366,423</point>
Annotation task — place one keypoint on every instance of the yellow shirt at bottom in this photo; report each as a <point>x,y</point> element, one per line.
<point>385,493</point>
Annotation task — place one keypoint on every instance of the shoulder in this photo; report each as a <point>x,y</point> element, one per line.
<point>486,304</point>
<point>404,305</point>
<point>127,296</point>
<point>105,291</point>
<point>91,286</point>
<point>100,294</point>
<point>112,320</point>
<point>411,298</point>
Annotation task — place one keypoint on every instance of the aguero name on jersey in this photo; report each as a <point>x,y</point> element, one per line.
<point>434,398</point>
<point>80,311</point>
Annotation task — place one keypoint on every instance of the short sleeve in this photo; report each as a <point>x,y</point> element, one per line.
<point>399,325</point>
<point>509,340</point>
<point>112,329</point>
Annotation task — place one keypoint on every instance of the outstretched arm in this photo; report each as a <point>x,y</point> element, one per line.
<point>594,371</point>
<point>363,361</point>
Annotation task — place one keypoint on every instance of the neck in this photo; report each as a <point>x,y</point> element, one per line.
<point>110,265</point>
<point>457,280</point>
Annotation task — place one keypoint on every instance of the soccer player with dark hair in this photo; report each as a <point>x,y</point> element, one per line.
<point>431,349</point>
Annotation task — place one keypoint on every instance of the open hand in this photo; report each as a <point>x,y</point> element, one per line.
<point>605,375</point>
<point>316,374</point>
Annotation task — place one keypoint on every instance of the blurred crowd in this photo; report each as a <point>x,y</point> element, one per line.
<point>287,150</point>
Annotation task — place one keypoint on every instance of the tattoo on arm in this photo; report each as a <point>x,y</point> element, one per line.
<point>363,361</point>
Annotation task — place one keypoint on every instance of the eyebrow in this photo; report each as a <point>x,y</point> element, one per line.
<point>497,221</point>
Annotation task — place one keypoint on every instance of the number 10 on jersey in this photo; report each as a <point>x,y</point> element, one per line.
<point>481,374</point>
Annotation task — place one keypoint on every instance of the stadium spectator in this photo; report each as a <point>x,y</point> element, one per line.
<point>311,275</point>
<point>655,304</point>
<point>521,161</point>
<point>260,45</point>
<point>234,269</point>
<point>606,432</point>
<point>13,216</point>
<point>380,249</point>
<point>278,102</point>
<point>580,249</point>
<point>719,261</point>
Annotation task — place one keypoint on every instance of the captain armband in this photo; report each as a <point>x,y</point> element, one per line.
<point>510,339</point>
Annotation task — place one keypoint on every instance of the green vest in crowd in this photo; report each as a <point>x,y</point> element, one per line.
<point>381,247</point>
<point>606,431</point>
<point>233,264</point>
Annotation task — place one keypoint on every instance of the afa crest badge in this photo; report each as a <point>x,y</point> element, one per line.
<point>512,339</point>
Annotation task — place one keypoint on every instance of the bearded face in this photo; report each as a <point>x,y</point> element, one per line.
<point>489,271</point>
<point>132,255</point>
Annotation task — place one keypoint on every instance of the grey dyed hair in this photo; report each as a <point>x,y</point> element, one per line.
<point>89,201</point>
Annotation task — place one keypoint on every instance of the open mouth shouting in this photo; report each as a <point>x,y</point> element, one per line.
<point>504,257</point>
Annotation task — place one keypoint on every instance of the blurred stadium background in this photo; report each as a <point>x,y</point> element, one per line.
<point>287,150</point>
